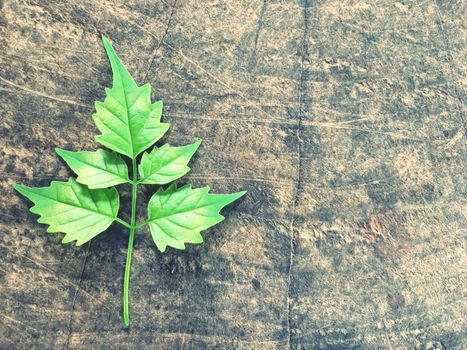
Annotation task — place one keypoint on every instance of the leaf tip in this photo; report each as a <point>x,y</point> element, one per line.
<point>59,151</point>
<point>80,243</point>
<point>66,239</point>
<point>20,188</point>
<point>158,104</point>
<point>105,40</point>
<point>110,51</point>
<point>241,194</point>
<point>236,195</point>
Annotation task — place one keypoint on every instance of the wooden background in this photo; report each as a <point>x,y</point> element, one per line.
<point>344,121</point>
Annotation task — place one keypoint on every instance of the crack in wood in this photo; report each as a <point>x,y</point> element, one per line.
<point>159,44</point>
<point>294,233</point>
<point>258,29</point>
<point>448,49</point>
<point>69,328</point>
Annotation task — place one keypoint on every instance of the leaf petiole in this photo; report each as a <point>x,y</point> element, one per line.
<point>126,280</point>
<point>141,224</point>
<point>123,223</point>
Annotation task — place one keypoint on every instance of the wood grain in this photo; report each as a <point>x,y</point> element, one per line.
<point>344,121</point>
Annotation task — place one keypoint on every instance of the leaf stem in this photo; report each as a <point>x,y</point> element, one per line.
<point>122,222</point>
<point>141,224</point>
<point>126,282</point>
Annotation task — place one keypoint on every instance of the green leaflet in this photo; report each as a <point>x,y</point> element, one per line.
<point>127,119</point>
<point>98,169</point>
<point>177,215</point>
<point>129,124</point>
<point>72,208</point>
<point>166,164</point>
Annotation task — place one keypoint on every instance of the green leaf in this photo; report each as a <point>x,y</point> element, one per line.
<point>98,169</point>
<point>73,209</point>
<point>177,215</point>
<point>129,123</point>
<point>166,164</point>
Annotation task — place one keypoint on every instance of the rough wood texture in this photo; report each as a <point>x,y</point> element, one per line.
<point>344,121</point>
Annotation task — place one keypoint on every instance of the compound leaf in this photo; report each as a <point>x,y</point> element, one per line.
<point>166,164</point>
<point>98,169</point>
<point>129,123</point>
<point>177,215</point>
<point>73,209</point>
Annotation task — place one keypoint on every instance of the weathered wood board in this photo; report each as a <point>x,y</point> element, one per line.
<point>344,120</point>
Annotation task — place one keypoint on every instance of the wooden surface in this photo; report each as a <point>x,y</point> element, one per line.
<point>344,120</point>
